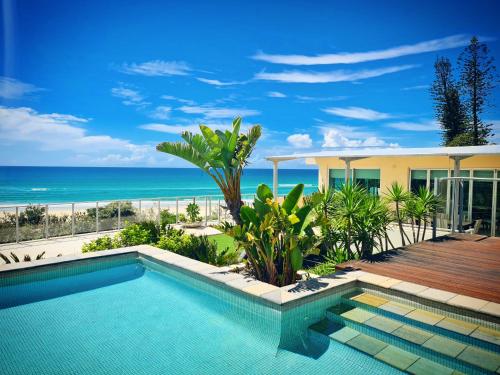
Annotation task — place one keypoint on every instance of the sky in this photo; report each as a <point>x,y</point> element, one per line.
<point>100,83</point>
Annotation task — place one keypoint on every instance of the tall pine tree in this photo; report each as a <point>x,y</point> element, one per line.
<point>450,112</point>
<point>478,75</point>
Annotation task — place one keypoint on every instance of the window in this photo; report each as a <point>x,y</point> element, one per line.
<point>337,178</point>
<point>436,173</point>
<point>369,179</point>
<point>418,179</point>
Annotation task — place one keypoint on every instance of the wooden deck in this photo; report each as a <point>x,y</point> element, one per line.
<point>468,265</point>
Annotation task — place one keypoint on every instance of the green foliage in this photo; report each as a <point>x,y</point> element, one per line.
<point>193,212</point>
<point>220,154</point>
<point>276,237</point>
<point>138,234</point>
<point>101,243</point>
<point>460,105</point>
<point>416,209</point>
<point>450,111</point>
<point>166,218</point>
<point>323,269</point>
<point>111,210</point>
<point>478,79</point>
<point>202,248</point>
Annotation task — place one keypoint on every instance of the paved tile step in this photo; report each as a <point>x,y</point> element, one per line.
<point>380,350</point>
<point>424,343</point>
<point>475,334</point>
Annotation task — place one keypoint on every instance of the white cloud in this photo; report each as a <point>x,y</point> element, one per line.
<point>422,126</point>
<point>170,129</point>
<point>216,82</point>
<point>298,76</point>
<point>11,88</point>
<point>340,136</point>
<point>300,140</point>
<point>129,96</point>
<point>216,112</point>
<point>449,42</point>
<point>417,87</point>
<point>180,100</point>
<point>304,98</point>
<point>56,132</point>
<point>158,68</point>
<point>276,94</point>
<point>358,113</point>
<point>161,112</point>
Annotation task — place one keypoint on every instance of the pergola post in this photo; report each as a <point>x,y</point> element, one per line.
<point>275,179</point>
<point>348,170</point>
<point>456,201</point>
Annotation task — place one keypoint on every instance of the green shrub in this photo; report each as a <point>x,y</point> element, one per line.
<point>193,212</point>
<point>166,218</point>
<point>134,234</point>
<point>111,210</point>
<point>101,243</point>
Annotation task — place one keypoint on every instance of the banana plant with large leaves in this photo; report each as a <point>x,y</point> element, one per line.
<point>276,237</point>
<point>222,155</point>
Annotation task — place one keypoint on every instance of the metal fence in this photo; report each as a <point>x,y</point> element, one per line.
<point>27,222</point>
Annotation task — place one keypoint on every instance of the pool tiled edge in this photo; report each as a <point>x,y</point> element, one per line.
<point>284,297</point>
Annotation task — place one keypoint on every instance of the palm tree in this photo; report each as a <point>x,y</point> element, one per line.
<point>222,155</point>
<point>397,195</point>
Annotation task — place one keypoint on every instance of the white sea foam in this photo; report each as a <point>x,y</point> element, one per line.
<point>39,189</point>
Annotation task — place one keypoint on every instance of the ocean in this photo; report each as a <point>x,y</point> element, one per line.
<point>81,184</point>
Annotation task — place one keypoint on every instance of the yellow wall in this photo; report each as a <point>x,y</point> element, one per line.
<point>398,168</point>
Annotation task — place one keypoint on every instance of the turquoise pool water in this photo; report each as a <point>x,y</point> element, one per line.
<point>126,316</point>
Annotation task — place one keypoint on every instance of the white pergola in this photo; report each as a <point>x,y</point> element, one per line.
<point>347,156</point>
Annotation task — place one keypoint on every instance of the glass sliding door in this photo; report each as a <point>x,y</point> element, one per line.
<point>418,178</point>
<point>467,208</point>
<point>369,179</point>
<point>482,201</point>
<point>336,178</point>
<point>497,228</point>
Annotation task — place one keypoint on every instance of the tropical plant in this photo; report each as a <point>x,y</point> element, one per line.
<point>15,258</point>
<point>222,155</point>
<point>193,212</point>
<point>276,236</point>
<point>420,208</point>
<point>398,196</point>
<point>137,234</point>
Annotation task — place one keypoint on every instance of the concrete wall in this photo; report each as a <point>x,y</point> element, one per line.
<point>398,168</point>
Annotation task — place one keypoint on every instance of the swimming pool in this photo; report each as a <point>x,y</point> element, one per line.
<point>129,314</point>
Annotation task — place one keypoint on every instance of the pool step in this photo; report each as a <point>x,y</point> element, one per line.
<point>420,342</point>
<point>380,350</point>
<point>440,322</point>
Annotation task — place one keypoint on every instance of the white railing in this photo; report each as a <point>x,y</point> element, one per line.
<point>24,222</point>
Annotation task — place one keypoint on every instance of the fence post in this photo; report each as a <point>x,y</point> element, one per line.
<point>46,221</point>
<point>206,211</point>
<point>17,224</point>
<point>159,212</point>
<point>140,209</point>
<point>119,214</point>
<point>72,219</point>
<point>97,217</point>
<point>176,210</point>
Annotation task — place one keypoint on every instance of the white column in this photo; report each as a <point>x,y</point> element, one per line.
<point>275,179</point>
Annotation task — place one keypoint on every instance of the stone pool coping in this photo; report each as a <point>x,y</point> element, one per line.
<point>278,297</point>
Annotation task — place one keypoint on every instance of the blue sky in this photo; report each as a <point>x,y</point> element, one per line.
<point>96,83</point>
